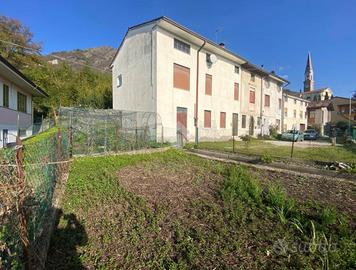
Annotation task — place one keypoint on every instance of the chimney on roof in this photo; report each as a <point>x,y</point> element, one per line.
<point>222,45</point>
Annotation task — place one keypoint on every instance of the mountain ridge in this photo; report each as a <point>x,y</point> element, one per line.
<point>96,57</point>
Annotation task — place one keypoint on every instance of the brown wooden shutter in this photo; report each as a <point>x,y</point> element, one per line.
<point>181,77</point>
<point>236,91</point>
<point>222,119</point>
<point>207,119</point>
<point>267,100</point>
<point>208,84</point>
<point>252,96</point>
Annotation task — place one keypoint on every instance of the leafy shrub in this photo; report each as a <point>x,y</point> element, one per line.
<point>266,158</point>
<point>328,216</point>
<point>273,131</point>
<point>246,138</point>
<point>240,185</point>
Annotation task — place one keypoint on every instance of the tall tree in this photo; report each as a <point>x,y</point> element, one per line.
<point>13,32</point>
<point>65,85</point>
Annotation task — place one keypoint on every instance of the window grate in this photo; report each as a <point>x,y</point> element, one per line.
<point>181,46</point>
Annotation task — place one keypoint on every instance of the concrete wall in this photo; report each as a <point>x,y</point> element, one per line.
<point>10,118</point>
<point>135,63</point>
<point>300,106</point>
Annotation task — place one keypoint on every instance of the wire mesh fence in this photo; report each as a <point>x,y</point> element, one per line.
<point>28,176</point>
<point>31,171</point>
<point>97,131</point>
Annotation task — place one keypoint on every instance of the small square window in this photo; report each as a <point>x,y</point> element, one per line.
<point>237,69</point>
<point>119,81</point>
<point>181,46</point>
<point>253,78</point>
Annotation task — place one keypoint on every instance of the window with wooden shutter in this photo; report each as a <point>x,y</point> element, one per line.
<point>181,77</point>
<point>252,96</point>
<point>222,119</point>
<point>236,91</point>
<point>280,103</point>
<point>267,100</point>
<point>208,84</point>
<point>207,119</point>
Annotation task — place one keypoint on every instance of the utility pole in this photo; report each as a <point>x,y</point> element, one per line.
<point>350,117</point>
<point>350,109</point>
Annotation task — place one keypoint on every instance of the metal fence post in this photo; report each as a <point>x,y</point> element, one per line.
<point>70,136</point>
<point>59,152</point>
<point>162,136</point>
<point>233,143</point>
<point>292,150</point>
<point>106,134</point>
<point>136,143</point>
<point>22,212</point>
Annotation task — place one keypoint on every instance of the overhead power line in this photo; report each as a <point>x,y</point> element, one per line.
<point>53,55</point>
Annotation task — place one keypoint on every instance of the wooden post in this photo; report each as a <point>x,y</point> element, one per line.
<point>22,211</point>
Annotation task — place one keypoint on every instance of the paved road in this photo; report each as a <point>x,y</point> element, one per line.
<point>304,144</point>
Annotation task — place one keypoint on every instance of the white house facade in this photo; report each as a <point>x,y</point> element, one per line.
<point>193,84</point>
<point>295,114</point>
<point>16,112</point>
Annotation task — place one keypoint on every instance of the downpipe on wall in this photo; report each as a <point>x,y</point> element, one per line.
<point>197,97</point>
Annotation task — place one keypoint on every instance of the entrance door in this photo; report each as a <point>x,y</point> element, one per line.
<point>5,137</point>
<point>251,126</point>
<point>302,127</point>
<point>235,124</point>
<point>181,125</point>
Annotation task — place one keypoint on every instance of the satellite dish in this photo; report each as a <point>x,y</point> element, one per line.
<point>213,58</point>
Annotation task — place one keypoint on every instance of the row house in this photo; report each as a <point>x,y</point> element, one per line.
<point>295,111</point>
<point>16,110</point>
<point>197,88</point>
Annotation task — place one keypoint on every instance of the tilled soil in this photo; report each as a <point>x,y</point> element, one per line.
<point>170,188</point>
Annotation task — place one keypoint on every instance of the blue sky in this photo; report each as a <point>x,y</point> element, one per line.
<point>275,33</point>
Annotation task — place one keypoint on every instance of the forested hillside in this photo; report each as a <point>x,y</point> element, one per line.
<point>67,83</point>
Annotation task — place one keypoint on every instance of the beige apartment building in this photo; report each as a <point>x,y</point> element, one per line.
<point>261,106</point>
<point>197,88</point>
<point>295,114</point>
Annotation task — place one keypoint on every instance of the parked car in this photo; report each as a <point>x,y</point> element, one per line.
<point>311,134</point>
<point>293,135</point>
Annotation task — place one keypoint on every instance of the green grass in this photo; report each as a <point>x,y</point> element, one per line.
<point>260,148</point>
<point>104,226</point>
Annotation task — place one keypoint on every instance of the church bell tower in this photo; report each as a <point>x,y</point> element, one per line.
<point>309,76</point>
